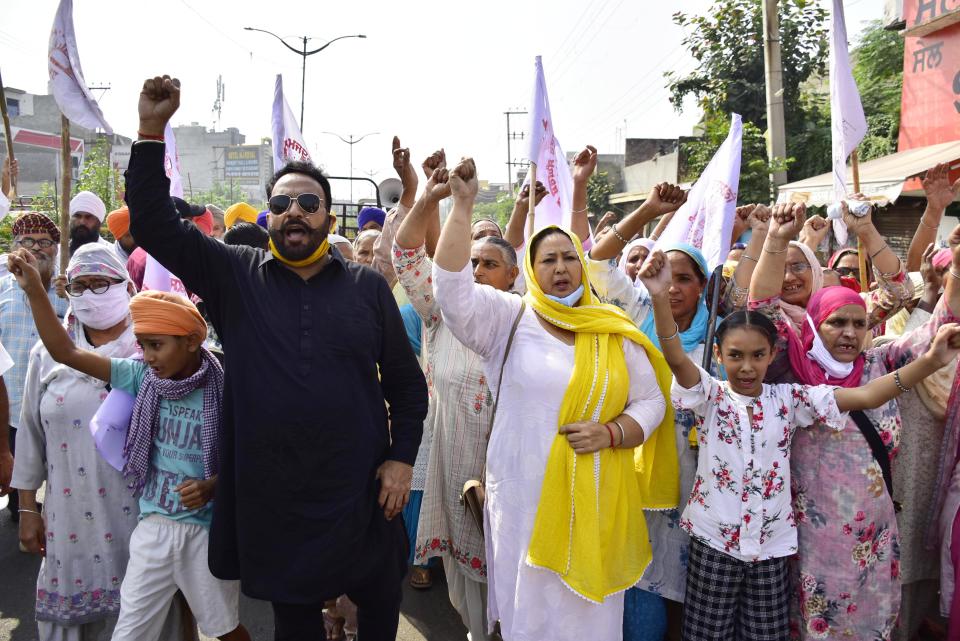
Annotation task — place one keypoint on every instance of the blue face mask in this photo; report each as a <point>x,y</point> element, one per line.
<point>570,299</point>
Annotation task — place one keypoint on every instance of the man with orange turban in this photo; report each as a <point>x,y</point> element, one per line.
<point>118,222</point>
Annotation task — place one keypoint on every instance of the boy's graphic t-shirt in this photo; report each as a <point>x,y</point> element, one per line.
<point>177,453</point>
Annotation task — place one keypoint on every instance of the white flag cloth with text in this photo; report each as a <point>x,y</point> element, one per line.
<point>706,219</point>
<point>288,143</point>
<point>171,162</point>
<point>847,121</point>
<point>67,85</point>
<point>552,168</point>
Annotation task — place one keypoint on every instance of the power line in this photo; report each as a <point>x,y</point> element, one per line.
<point>573,60</point>
<point>563,53</point>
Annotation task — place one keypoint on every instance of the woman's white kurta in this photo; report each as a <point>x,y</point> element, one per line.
<point>531,604</point>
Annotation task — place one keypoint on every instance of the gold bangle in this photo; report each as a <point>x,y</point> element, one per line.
<point>579,211</point>
<point>927,225</point>
<point>770,251</point>
<point>954,274</point>
<point>745,256</point>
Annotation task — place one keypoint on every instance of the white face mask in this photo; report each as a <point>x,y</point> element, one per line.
<point>820,354</point>
<point>102,311</point>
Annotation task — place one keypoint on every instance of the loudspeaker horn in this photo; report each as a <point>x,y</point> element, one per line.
<point>390,190</point>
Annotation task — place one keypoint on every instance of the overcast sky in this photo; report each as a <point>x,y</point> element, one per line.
<point>436,74</point>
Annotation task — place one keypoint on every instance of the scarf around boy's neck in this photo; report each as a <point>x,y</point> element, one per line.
<point>146,409</point>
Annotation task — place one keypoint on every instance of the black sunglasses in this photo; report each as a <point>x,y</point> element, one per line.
<point>281,203</point>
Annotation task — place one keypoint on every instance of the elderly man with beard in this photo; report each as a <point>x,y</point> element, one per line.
<point>87,212</point>
<point>40,236</point>
<point>307,500</point>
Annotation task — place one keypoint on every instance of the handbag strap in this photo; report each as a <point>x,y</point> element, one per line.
<point>879,450</point>
<point>503,363</point>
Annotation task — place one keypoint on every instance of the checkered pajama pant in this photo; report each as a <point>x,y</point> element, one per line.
<point>732,600</point>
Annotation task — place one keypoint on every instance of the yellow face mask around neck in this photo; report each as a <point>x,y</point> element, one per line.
<point>320,252</point>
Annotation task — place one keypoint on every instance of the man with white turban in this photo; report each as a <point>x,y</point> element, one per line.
<point>87,212</point>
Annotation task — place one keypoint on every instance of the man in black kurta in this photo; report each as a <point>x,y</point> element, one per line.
<point>313,474</point>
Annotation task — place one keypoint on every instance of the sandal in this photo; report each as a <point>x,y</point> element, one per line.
<point>420,578</point>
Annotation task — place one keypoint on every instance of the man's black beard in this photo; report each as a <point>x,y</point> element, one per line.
<point>315,238</point>
<point>80,236</point>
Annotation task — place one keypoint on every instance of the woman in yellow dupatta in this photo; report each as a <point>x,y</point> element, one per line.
<point>564,524</point>
<point>590,529</point>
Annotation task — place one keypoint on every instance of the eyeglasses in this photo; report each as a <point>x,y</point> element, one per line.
<point>30,243</point>
<point>98,286</point>
<point>796,268</point>
<point>849,271</point>
<point>281,203</point>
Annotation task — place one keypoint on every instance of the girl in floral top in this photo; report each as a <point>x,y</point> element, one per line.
<point>739,514</point>
<point>846,582</point>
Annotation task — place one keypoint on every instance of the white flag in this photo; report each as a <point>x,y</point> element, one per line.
<point>288,144</point>
<point>847,121</point>
<point>67,85</point>
<point>706,219</point>
<point>552,168</point>
<point>171,162</point>
<point>155,275</point>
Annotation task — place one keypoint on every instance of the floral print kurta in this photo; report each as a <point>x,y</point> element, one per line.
<point>740,503</point>
<point>847,571</point>
<point>88,507</point>
<point>461,407</point>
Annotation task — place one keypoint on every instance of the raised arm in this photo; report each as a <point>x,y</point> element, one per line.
<point>453,250</point>
<point>199,261</point>
<point>758,219</point>
<point>940,193</point>
<point>785,223</point>
<point>516,226</point>
<point>663,199</point>
<point>23,266</point>
<point>884,259</point>
<point>814,231</point>
<point>584,166</point>
<point>657,277</point>
<point>383,245</point>
<point>943,350</point>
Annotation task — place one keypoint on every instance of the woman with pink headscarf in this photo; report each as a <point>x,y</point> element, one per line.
<point>847,570</point>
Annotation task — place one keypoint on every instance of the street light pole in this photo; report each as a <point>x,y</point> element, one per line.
<point>303,54</point>
<point>351,142</point>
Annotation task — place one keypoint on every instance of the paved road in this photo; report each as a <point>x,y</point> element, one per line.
<point>427,615</point>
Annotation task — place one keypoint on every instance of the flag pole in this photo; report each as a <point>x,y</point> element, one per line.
<point>532,202</point>
<point>9,138</point>
<point>861,251</point>
<point>65,194</point>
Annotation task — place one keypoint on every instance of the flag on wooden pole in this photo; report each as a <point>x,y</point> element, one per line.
<point>551,164</point>
<point>848,124</point>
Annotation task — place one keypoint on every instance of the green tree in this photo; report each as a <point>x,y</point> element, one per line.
<point>499,210</point>
<point>728,46</point>
<point>100,176</point>
<point>223,195</point>
<point>598,193</point>
<point>878,70</point>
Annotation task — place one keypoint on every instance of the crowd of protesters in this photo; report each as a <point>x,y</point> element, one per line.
<point>314,420</point>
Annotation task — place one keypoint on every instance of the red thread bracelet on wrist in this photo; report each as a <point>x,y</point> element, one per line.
<point>144,136</point>
<point>610,432</point>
